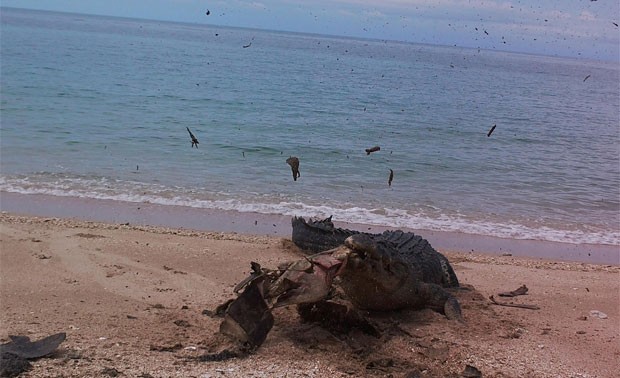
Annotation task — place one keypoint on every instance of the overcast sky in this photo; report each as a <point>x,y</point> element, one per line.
<point>575,28</point>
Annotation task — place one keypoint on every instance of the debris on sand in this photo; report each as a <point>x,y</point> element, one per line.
<point>598,314</point>
<point>248,319</point>
<point>12,365</point>
<point>110,372</point>
<point>520,291</point>
<point>22,346</point>
<point>166,348</point>
<point>471,372</point>
<point>15,354</point>
<point>529,307</point>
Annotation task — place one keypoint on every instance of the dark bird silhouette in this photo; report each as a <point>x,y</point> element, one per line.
<point>194,140</point>
<point>208,12</point>
<point>249,44</point>
<point>491,131</point>
<point>614,23</point>
<point>293,161</point>
<point>586,78</point>
<point>372,149</point>
<point>391,178</point>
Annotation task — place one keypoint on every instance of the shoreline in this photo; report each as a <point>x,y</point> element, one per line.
<point>210,220</point>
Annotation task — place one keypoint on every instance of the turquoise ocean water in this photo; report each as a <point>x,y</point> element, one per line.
<point>97,107</point>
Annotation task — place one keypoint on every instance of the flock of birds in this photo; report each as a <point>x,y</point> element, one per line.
<point>293,161</point>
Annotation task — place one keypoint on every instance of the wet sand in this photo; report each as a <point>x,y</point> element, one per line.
<point>279,225</point>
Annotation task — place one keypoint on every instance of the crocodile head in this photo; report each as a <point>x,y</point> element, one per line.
<point>318,235</point>
<point>373,279</point>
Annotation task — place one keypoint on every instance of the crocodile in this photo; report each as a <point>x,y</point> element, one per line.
<point>431,266</point>
<point>370,274</point>
<point>375,278</point>
<point>394,270</point>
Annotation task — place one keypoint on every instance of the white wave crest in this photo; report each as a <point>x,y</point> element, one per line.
<point>432,220</point>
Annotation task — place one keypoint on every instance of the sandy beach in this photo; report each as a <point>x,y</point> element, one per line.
<point>153,156</point>
<point>131,301</point>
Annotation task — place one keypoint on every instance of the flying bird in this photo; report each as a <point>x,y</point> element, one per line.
<point>491,131</point>
<point>249,44</point>
<point>194,140</point>
<point>586,78</point>
<point>391,178</point>
<point>372,149</point>
<point>293,161</point>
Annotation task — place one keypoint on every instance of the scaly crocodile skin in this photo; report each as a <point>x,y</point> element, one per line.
<point>430,265</point>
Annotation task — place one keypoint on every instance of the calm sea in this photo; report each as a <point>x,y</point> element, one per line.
<point>98,107</point>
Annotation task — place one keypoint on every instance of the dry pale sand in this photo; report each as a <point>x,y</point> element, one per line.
<point>131,300</point>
